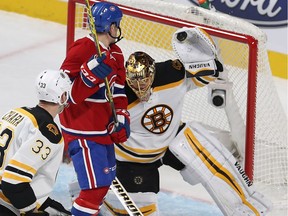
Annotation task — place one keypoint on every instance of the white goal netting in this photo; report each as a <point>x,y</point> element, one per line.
<point>148,26</point>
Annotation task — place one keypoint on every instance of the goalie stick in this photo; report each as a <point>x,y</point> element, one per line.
<point>116,186</point>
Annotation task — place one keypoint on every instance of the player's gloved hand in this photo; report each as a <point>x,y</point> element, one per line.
<point>120,133</point>
<point>211,68</point>
<point>54,208</point>
<point>197,51</point>
<point>95,69</point>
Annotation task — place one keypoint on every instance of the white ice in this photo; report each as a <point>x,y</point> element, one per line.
<point>28,46</point>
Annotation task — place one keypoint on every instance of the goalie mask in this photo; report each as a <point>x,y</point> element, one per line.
<point>140,73</point>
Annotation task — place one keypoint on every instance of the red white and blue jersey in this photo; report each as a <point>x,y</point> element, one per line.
<point>89,112</point>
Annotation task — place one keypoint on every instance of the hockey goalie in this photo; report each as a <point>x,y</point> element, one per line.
<point>158,137</point>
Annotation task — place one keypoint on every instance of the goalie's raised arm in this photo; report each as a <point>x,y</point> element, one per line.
<point>197,51</point>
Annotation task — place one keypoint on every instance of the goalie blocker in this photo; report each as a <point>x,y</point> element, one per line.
<point>208,162</point>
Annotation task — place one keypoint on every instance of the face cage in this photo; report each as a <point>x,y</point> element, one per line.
<point>65,103</point>
<point>143,93</point>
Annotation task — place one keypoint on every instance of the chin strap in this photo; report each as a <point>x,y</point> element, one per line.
<point>118,38</point>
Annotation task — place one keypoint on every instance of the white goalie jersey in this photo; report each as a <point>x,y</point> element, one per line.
<point>155,123</point>
<point>31,148</point>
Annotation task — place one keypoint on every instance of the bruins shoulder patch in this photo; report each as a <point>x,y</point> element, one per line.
<point>177,64</point>
<point>53,128</point>
<point>51,132</point>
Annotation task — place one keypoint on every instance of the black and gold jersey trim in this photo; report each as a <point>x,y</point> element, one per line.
<point>168,74</point>
<point>137,155</point>
<point>19,172</point>
<point>42,120</point>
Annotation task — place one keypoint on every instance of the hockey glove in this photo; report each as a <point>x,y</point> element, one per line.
<point>54,208</point>
<point>202,69</point>
<point>197,51</point>
<point>120,133</point>
<point>95,69</point>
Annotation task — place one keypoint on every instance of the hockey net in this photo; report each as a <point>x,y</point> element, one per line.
<point>148,26</point>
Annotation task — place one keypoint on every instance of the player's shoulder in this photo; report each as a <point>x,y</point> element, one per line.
<point>84,41</point>
<point>115,48</point>
<point>117,53</point>
<point>44,122</point>
<point>171,66</point>
<point>169,71</point>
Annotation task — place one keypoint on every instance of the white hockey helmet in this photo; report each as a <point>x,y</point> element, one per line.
<point>51,84</point>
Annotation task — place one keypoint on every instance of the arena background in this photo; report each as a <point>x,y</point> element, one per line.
<point>56,11</point>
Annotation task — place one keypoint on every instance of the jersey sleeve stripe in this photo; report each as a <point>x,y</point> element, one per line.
<point>141,151</point>
<point>23,166</point>
<point>134,159</point>
<point>7,176</point>
<point>171,85</point>
<point>20,172</point>
<point>197,82</point>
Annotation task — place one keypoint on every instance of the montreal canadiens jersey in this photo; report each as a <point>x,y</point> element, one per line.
<point>89,111</point>
<point>155,123</point>
<point>31,150</point>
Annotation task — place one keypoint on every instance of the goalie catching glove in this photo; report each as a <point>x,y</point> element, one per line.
<point>120,132</point>
<point>95,69</point>
<point>197,51</point>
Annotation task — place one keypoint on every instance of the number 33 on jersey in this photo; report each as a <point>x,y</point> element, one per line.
<point>30,143</point>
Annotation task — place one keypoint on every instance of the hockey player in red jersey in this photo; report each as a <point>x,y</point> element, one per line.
<point>31,149</point>
<point>87,124</point>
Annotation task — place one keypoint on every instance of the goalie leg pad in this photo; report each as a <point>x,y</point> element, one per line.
<point>146,202</point>
<point>190,175</point>
<point>218,171</point>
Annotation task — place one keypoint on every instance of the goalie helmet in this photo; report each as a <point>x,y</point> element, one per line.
<point>51,84</point>
<point>105,14</point>
<point>140,73</point>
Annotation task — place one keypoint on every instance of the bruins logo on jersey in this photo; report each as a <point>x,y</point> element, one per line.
<point>157,119</point>
<point>52,128</point>
<point>177,64</point>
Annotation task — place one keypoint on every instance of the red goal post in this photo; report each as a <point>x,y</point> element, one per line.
<point>148,26</point>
